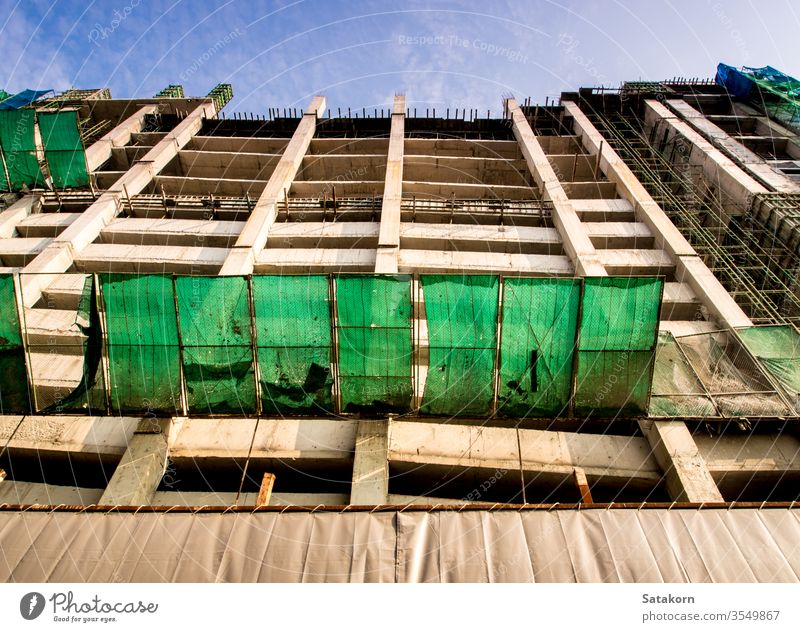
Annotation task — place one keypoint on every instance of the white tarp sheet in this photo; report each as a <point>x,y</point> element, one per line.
<point>591,545</point>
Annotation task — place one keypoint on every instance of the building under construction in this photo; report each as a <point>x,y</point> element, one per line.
<point>549,343</point>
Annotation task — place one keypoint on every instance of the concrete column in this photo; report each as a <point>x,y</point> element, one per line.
<point>142,466</point>
<point>60,254</point>
<point>688,476</point>
<point>371,464</point>
<point>389,236</point>
<point>253,237</point>
<point>689,268</point>
<point>100,150</point>
<point>573,235</point>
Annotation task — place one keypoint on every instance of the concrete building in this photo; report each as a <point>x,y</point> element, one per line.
<point>670,451</point>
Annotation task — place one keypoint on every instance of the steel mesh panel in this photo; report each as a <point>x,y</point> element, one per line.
<point>293,335</point>
<point>462,332</point>
<point>218,369</point>
<point>13,374</point>
<point>539,322</point>
<point>374,346</point>
<point>142,330</point>
<point>63,149</point>
<point>619,323</point>
<point>19,148</point>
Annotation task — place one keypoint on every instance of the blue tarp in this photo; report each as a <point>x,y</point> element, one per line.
<point>21,99</point>
<point>735,82</point>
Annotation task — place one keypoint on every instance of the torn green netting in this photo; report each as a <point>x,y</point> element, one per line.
<point>777,348</point>
<point>142,330</point>
<point>19,149</point>
<point>374,330</point>
<point>537,343</point>
<point>616,346</point>
<point>218,368</point>
<point>293,334</point>
<point>462,333</point>
<point>13,374</point>
<point>88,396</point>
<point>63,148</point>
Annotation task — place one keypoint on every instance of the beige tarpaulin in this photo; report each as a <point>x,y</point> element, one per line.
<point>591,545</point>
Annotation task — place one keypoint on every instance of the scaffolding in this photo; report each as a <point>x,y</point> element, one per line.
<point>748,258</point>
<point>172,91</point>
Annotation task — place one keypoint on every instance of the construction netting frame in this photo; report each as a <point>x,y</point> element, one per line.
<point>461,314</point>
<point>537,342</point>
<point>731,376</point>
<point>294,344</point>
<point>777,348</point>
<point>616,345</point>
<point>63,148</point>
<point>14,393</point>
<point>374,346</point>
<point>17,139</point>
<point>142,343</point>
<point>216,344</point>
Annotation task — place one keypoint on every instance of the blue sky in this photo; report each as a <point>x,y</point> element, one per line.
<point>440,54</point>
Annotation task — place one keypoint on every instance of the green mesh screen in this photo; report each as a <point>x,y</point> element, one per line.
<point>374,330</point>
<point>618,328</point>
<point>13,374</point>
<point>540,317</point>
<point>19,148</point>
<point>293,334</point>
<point>778,349</point>
<point>71,379</point>
<point>63,148</point>
<point>143,356</point>
<point>214,316</point>
<point>462,332</point>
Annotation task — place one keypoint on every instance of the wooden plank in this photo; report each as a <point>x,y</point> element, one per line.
<point>265,491</point>
<point>579,476</point>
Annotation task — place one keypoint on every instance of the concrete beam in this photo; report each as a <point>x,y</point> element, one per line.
<point>688,476</point>
<point>255,233</point>
<point>753,164</point>
<point>576,241</point>
<point>371,464</point>
<point>101,149</point>
<point>142,466</point>
<point>389,235</point>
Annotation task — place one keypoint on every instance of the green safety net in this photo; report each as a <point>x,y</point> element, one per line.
<point>539,321</point>
<point>374,330</point>
<point>462,332</point>
<point>618,328</point>
<point>293,336</point>
<point>143,355</point>
<point>63,148</point>
<point>89,395</point>
<point>218,368</point>
<point>19,149</point>
<point>13,374</point>
<point>778,349</point>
